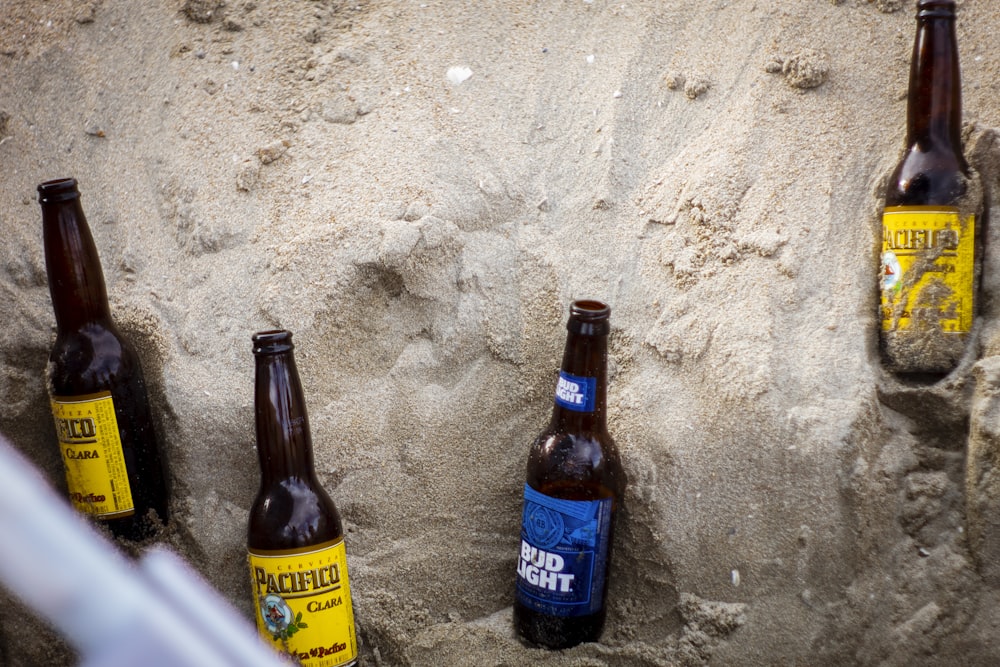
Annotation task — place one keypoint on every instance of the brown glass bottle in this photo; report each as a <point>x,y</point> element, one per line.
<point>298,566</point>
<point>95,382</point>
<point>574,488</point>
<point>931,237</point>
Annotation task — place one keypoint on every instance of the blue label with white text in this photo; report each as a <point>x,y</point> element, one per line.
<point>576,393</point>
<point>564,554</point>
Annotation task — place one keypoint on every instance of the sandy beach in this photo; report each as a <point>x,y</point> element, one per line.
<point>418,189</point>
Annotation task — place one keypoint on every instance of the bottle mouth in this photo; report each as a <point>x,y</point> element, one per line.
<point>60,189</point>
<point>939,9</point>
<point>272,341</point>
<point>589,317</point>
<point>590,310</point>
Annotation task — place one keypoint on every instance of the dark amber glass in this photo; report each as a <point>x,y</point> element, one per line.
<point>291,510</point>
<point>91,356</point>
<point>575,458</point>
<point>933,169</point>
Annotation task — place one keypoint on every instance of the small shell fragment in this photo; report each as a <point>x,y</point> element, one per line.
<point>458,74</point>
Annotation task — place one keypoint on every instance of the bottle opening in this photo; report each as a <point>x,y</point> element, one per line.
<point>590,310</point>
<point>936,9</point>
<point>60,189</point>
<point>589,317</point>
<point>272,342</point>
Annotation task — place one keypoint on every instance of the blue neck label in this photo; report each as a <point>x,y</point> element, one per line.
<point>576,393</point>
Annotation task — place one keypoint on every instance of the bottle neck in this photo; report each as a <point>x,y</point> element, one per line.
<point>284,444</point>
<point>76,281</point>
<point>581,393</point>
<point>934,110</point>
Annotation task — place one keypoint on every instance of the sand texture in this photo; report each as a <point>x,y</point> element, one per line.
<point>418,189</point>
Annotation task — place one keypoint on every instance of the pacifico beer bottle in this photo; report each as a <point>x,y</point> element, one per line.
<point>574,488</point>
<point>96,387</point>
<point>931,243</point>
<point>298,565</point>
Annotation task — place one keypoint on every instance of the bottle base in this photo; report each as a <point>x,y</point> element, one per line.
<point>136,528</point>
<point>556,632</point>
<point>930,353</point>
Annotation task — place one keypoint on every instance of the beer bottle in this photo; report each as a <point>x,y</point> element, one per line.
<point>298,565</point>
<point>96,386</point>
<point>931,241</point>
<point>574,488</point>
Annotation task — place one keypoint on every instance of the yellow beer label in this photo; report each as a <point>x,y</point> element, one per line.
<point>303,603</point>
<point>928,257</point>
<point>91,449</point>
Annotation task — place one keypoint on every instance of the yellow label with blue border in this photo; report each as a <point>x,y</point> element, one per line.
<point>928,267</point>
<point>91,449</point>
<point>303,603</point>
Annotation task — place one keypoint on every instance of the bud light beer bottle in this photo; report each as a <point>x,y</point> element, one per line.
<point>931,236</point>
<point>295,540</point>
<point>96,387</point>
<point>574,488</point>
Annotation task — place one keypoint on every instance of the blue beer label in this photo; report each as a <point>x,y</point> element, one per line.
<point>564,554</point>
<point>576,393</point>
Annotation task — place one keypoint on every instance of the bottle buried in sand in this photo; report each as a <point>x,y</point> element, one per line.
<point>931,237</point>
<point>96,386</point>
<point>298,565</point>
<point>574,488</point>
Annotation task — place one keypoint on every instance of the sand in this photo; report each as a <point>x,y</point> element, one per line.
<point>418,190</point>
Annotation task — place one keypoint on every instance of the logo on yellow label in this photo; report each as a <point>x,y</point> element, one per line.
<point>304,603</point>
<point>91,449</point>
<point>928,269</point>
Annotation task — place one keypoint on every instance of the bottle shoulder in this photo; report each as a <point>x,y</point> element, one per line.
<point>586,460</point>
<point>92,358</point>
<point>932,175</point>
<point>292,513</point>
